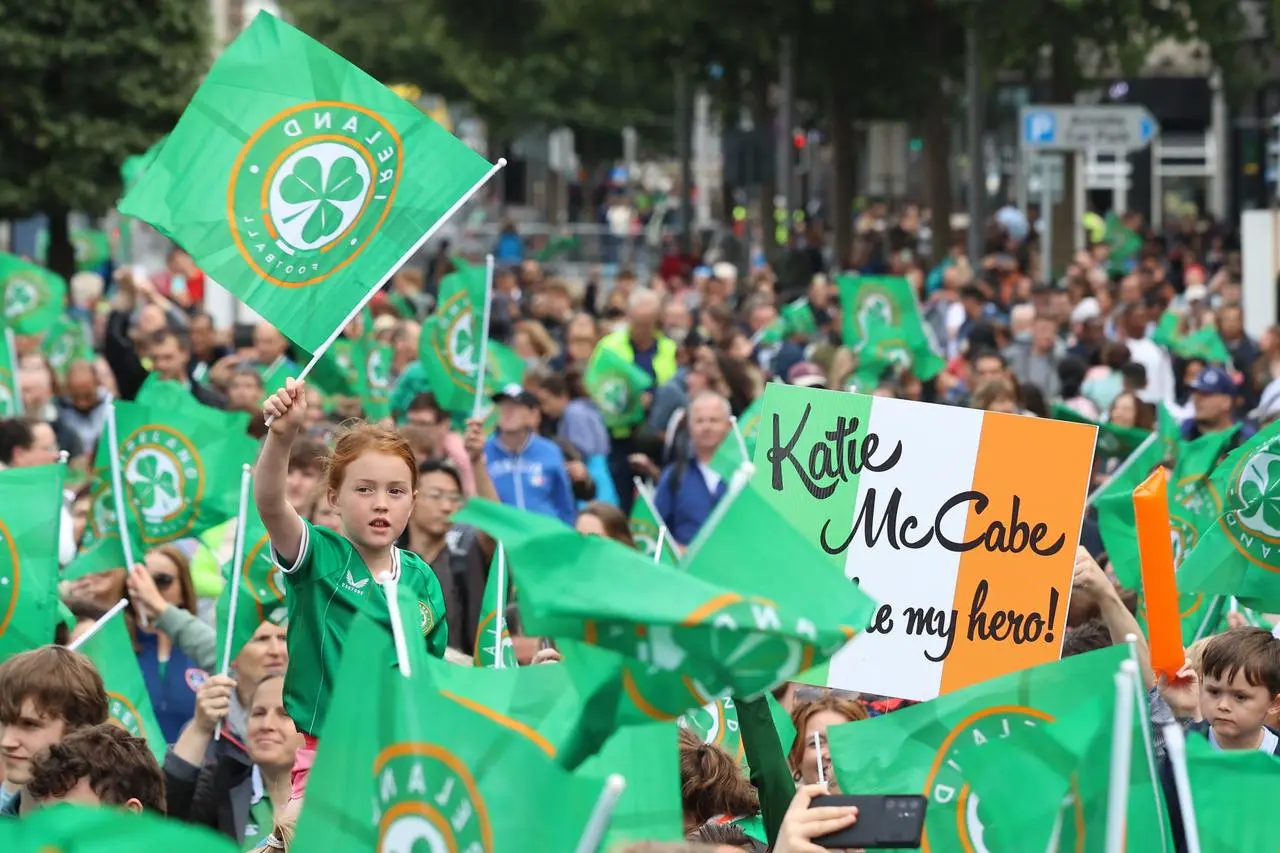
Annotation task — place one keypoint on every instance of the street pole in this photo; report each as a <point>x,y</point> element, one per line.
<point>684,151</point>
<point>786,120</point>
<point>977,176</point>
<point>1046,216</point>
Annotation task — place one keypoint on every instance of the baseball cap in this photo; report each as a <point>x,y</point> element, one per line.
<point>806,374</point>
<point>1196,293</point>
<point>515,394</point>
<point>1214,380</point>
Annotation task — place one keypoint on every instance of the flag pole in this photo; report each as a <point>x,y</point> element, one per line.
<point>1149,752</point>
<point>483,333</point>
<point>499,611</point>
<point>1175,745</point>
<point>117,489</point>
<point>75,644</point>
<point>742,440</point>
<point>598,823</point>
<point>662,540</point>
<point>413,250</point>
<point>11,347</point>
<point>391,588</point>
<point>1124,466</point>
<point>647,497</point>
<point>237,567</point>
<point>1121,757</point>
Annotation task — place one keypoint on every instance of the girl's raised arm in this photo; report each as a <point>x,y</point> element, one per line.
<point>286,410</point>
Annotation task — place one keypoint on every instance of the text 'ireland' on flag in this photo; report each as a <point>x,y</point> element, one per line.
<point>300,183</point>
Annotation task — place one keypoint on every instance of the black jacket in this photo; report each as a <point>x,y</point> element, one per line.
<point>129,371</point>
<point>217,794</point>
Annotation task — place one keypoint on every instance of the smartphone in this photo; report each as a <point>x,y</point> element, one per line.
<point>886,822</point>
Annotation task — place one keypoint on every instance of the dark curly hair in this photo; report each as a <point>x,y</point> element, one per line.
<point>118,767</point>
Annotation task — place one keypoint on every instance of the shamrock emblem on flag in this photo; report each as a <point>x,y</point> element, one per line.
<point>1260,491</point>
<point>20,298</point>
<point>322,198</point>
<point>462,345</point>
<point>155,485</point>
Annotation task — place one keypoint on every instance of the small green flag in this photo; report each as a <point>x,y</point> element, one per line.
<point>1114,442</point>
<point>616,386</point>
<point>261,593</point>
<point>111,650</point>
<point>650,809</point>
<point>10,393</point>
<point>292,168</point>
<point>494,601</point>
<point>82,829</point>
<point>1204,344</point>
<point>33,297</point>
<point>30,519</point>
<point>882,325</point>
<point>728,456</point>
<point>645,531</point>
<point>1234,793</point>
<point>1238,554</point>
<point>64,342</point>
<point>92,247</point>
<point>405,767</point>
<point>100,549</point>
<point>795,319</point>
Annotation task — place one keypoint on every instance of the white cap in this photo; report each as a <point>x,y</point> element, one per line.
<point>1196,293</point>
<point>725,271</point>
<point>1087,309</point>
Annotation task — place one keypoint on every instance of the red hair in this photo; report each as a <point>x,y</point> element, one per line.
<point>361,438</point>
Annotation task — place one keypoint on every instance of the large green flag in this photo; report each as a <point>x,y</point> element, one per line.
<point>30,519</point>
<point>10,393</point>
<point>1234,793</point>
<point>931,748</point>
<point>449,348</point>
<point>111,650</point>
<point>406,768</point>
<point>650,809</point>
<point>1239,554</point>
<point>489,645</point>
<point>261,593</point>
<point>33,297</point>
<point>292,168</point>
<point>882,325</point>
<point>724,622</point>
<point>617,386</point>
<point>83,829</point>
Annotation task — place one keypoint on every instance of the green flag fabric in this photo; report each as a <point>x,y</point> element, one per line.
<point>486,652</point>
<point>261,593</point>
<point>111,650</point>
<point>92,247</point>
<point>404,767</point>
<point>84,829</point>
<point>64,342</point>
<point>882,325</point>
<point>1238,555</point>
<point>1234,793</point>
<point>1114,442</point>
<point>794,320</point>
<point>10,393</point>
<point>645,531</point>
<point>100,549</point>
<point>30,520</point>
<point>617,386</point>
<point>650,809</point>
<point>33,297</point>
<point>717,724</point>
<point>292,168</point>
<point>728,457</point>
<point>922,749</point>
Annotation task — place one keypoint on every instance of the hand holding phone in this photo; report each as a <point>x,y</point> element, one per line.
<point>886,821</point>
<point>805,822</point>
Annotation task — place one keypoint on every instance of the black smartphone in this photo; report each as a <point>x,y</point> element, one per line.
<point>885,821</point>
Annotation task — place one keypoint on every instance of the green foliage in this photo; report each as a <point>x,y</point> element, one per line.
<point>85,85</point>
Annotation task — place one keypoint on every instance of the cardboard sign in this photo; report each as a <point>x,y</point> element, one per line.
<point>962,524</point>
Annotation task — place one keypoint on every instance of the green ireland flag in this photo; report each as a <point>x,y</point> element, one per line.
<point>30,518</point>
<point>882,325</point>
<point>100,549</point>
<point>261,593</point>
<point>616,385</point>
<point>449,348</point>
<point>795,320</point>
<point>1234,794</point>
<point>722,623</point>
<point>374,359</point>
<point>1114,442</point>
<point>488,643</point>
<point>717,724</point>
<point>408,768</point>
<point>645,531</point>
<point>84,829</point>
<point>92,247</point>
<point>1239,554</point>
<point>300,183</point>
<point>648,757</point>
<point>33,297</point>
<point>10,393</point>
<point>111,650</point>
<point>65,342</point>
<point>1204,344</point>
<point>939,749</point>
<point>728,456</point>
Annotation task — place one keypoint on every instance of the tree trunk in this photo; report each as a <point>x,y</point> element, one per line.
<point>1063,80</point>
<point>762,119</point>
<point>62,255</point>
<point>935,133</point>
<point>844,172</point>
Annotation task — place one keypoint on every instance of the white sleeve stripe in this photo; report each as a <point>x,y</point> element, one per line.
<point>303,545</point>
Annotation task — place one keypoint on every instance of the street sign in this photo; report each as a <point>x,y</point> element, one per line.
<point>1110,127</point>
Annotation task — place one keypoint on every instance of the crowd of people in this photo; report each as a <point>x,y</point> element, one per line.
<point>345,498</point>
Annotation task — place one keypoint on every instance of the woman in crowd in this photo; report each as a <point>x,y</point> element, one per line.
<point>602,519</point>
<point>714,791</point>
<point>815,718</point>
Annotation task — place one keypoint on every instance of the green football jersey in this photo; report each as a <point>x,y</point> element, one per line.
<point>327,585</point>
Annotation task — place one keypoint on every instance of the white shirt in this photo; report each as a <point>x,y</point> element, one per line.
<point>712,479</point>
<point>1149,354</point>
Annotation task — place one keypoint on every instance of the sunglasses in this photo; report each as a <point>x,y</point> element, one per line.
<point>163,581</point>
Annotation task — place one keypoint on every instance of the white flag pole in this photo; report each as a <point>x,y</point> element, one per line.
<point>11,347</point>
<point>117,489</point>
<point>75,644</point>
<point>598,823</point>
<point>500,609</point>
<point>237,568</point>
<point>1121,758</point>
<point>391,588</point>
<point>647,496</point>
<point>431,232</point>
<point>662,540</point>
<point>742,440</point>
<point>483,334</point>
<point>1175,745</point>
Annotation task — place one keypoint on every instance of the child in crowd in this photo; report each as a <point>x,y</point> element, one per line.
<point>371,482</point>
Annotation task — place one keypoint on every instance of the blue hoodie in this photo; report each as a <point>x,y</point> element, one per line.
<point>173,691</point>
<point>533,479</point>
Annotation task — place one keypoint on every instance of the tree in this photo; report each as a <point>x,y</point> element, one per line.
<point>87,84</point>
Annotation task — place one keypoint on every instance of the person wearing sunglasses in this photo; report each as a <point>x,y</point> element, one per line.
<point>175,643</point>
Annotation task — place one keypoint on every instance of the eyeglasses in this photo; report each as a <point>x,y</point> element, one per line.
<point>442,496</point>
<point>163,581</point>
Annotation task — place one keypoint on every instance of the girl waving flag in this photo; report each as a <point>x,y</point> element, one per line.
<point>371,484</point>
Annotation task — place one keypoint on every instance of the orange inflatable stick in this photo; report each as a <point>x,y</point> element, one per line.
<point>1159,587</point>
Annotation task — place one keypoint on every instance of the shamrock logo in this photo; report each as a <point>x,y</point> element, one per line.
<point>1260,492</point>
<point>462,345</point>
<point>320,198</point>
<point>377,370</point>
<point>21,297</point>
<point>613,396</point>
<point>874,313</point>
<point>155,484</point>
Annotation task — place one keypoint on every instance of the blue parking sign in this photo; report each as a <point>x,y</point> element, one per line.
<point>1039,128</point>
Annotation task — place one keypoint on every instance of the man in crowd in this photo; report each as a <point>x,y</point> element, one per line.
<point>689,489</point>
<point>101,765</point>
<point>528,470</point>
<point>24,443</point>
